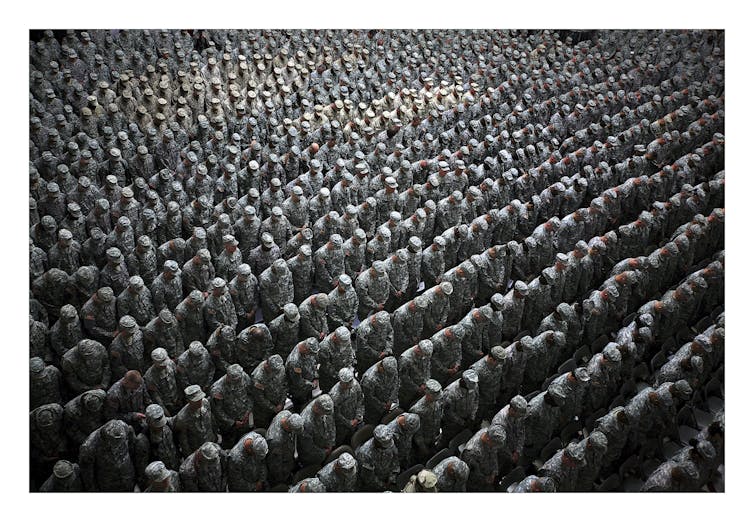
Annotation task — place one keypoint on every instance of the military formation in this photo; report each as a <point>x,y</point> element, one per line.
<point>387,260</point>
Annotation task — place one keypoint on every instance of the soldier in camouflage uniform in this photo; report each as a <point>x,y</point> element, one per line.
<point>414,370</point>
<point>269,389</point>
<point>127,349</point>
<point>446,352</point>
<point>372,289</point>
<point>136,301</point>
<point>301,369</point>
<point>404,427</point>
<point>143,260</point>
<point>380,384</point>
<point>318,437</point>
<point>452,474</point>
<point>244,291</point>
<point>198,272</point>
<point>98,316</point>
<point>190,318</point>
<point>195,366</point>
<point>66,477</point>
<point>348,405</point>
<point>408,322</point>
<point>218,307</point>
<point>167,290</point>
<point>275,289</point>
<point>86,366</point>
<point>161,382</point>
<point>281,439</point>
<point>163,331</point>
<point>378,461</point>
<point>340,475</point>
<point>302,270</point>
<point>285,330</point>
<point>83,414</point>
<point>480,454</point>
<point>193,425</point>
<point>335,353</point>
<point>206,469</point>
<point>247,470</point>
<point>343,304</point>
<point>329,263</point>
<point>160,479</point>
<point>313,313</point>
<point>106,458</point>
<point>155,443</point>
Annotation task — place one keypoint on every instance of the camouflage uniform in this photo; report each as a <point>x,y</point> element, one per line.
<point>206,469</point>
<point>281,437</point>
<point>318,437</point>
<point>378,461</point>
<point>480,454</point>
<point>460,401</point>
<point>247,470</point>
<point>106,458</point>
<point>380,384</point>
<point>269,389</point>
<point>301,369</point>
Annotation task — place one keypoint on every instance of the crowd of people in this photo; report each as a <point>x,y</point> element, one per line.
<point>387,260</point>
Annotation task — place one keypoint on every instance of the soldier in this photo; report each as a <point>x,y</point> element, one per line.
<point>302,269</point>
<point>99,315</point>
<point>380,385</point>
<point>408,322</point>
<point>222,347</point>
<point>490,370</point>
<point>247,470</point>
<point>44,383</point>
<point>565,467</point>
<point>163,331</point>
<point>198,272</point>
<point>460,403</point>
<point>318,437</point>
<point>86,367</point>
<point>193,425</point>
<point>372,289</point>
<point>329,263</point>
<point>83,414</point>
<point>604,376</point>
<point>281,439</point>
<point>534,484</point>
<point>301,369</point>
<point>190,318</point>
<point>594,446</point>
<point>127,349</point>
<point>115,273</point>
<point>275,289</point>
<point>206,469</point>
<point>340,475</point>
<point>348,405</point>
<point>161,382</point>
<point>244,291</point>
<point>106,458</point>
<point>543,415</point>
<point>47,439</point>
<point>308,485</point>
<point>167,289</point>
<point>343,304</point>
<point>66,477</point>
<point>284,330</point>
<point>378,461</point>
<point>480,454</point>
<point>414,370</point>
<point>127,400</point>
<point>433,262</point>
<point>231,404</point>
<point>269,389</point>
<point>313,313</point>
<point>335,353</point>
<point>404,427</point>
<point>66,253</point>
<point>446,352</point>
<point>452,474</point>
<point>511,418</point>
<point>218,307</point>
<point>142,260</point>
<point>354,253</point>
<point>136,301</point>
<point>195,366</point>
<point>160,479</point>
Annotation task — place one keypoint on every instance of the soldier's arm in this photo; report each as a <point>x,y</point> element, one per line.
<point>221,418</point>
<point>86,465</point>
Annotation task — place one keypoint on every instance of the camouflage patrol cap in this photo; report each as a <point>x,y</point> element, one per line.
<point>521,287</point>
<point>62,469</point>
<point>383,435</point>
<point>194,392</point>
<point>342,333</point>
<point>114,429</point>
<point>347,462</point>
<point>136,282</point>
<point>321,300</point>
<point>390,364</point>
<point>127,324</point>
<point>156,416</point>
<point>166,316</point>
<point>345,375</point>
<point>227,333</point>
<point>470,378</point>
<point>295,423</point>
<point>575,451</point>
<point>359,234</point>
<point>291,312</point>
<point>325,404</point>
<point>160,357</point>
<point>209,451</point>
<point>105,294</point>
<point>113,254</point>
<point>156,471</point>
<point>598,441</point>
<point>218,283</point>
<point>496,434</point>
<point>36,364</point>
<point>426,347</point>
<point>518,404</point>
<point>581,374</point>
<point>267,239</point>
<point>234,372</point>
<point>682,390</point>
<point>378,267</point>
